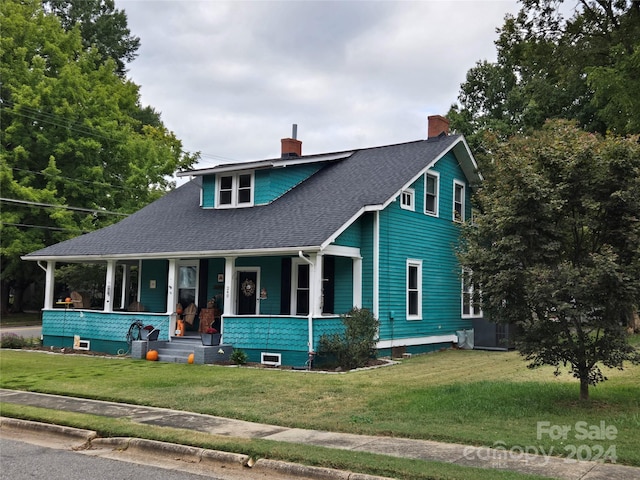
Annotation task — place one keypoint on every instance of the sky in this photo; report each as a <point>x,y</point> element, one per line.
<point>230,78</point>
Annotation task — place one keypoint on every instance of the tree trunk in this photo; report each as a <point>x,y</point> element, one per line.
<point>584,387</point>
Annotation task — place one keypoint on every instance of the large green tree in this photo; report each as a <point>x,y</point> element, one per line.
<point>101,26</point>
<point>78,150</point>
<point>556,246</point>
<point>585,68</point>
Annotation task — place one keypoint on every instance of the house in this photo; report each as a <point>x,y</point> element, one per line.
<point>283,247</point>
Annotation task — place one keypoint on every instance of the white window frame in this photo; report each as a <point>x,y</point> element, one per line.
<point>458,183</point>
<point>408,199</point>
<point>186,264</point>
<point>295,264</point>
<point>235,189</point>
<point>435,175</point>
<point>413,263</point>
<point>467,291</point>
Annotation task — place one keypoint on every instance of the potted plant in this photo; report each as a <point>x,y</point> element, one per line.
<point>210,337</point>
<point>145,331</point>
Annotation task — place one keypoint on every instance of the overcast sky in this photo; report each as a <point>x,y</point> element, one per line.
<point>231,77</point>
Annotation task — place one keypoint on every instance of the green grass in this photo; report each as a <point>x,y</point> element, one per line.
<point>467,397</point>
<point>310,455</point>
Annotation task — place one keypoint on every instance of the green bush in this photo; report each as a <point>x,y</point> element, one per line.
<point>357,344</point>
<point>238,357</point>
<point>11,340</point>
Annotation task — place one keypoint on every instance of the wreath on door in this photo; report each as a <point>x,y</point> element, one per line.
<point>248,287</point>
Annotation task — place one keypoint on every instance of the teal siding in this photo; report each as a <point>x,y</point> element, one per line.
<point>154,299</point>
<point>285,335</point>
<point>352,236</point>
<point>413,235</point>
<point>343,293</point>
<point>273,183</point>
<point>208,191</point>
<point>107,332</point>
<point>215,289</point>
<point>366,251</point>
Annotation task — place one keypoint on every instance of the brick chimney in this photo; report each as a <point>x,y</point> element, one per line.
<point>291,147</point>
<point>437,126</point>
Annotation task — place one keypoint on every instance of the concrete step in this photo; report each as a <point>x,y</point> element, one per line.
<point>170,358</point>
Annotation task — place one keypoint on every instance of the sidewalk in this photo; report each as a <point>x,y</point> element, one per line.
<point>399,447</point>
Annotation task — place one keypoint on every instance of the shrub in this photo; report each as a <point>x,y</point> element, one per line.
<point>11,340</point>
<point>357,344</point>
<point>238,357</point>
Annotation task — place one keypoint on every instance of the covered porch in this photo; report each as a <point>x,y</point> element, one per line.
<point>272,305</point>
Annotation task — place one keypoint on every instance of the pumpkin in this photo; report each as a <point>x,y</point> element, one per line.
<point>190,358</point>
<point>68,300</point>
<point>152,355</point>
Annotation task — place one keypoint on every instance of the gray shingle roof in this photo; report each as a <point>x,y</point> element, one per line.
<point>306,216</point>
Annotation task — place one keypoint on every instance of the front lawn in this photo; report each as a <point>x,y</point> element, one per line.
<point>467,397</point>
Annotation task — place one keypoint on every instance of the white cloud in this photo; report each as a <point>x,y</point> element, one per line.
<point>230,77</point>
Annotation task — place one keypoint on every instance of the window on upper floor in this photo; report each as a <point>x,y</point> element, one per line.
<point>414,289</point>
<point>408,199</point>
<point>470,296</point>
<point>458,201</point>
<point>431,186</point>
<point>234,190</point>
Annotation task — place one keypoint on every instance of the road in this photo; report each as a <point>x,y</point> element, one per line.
<point>25,332</point>
<point>25,461</point>
<point>28,454</point>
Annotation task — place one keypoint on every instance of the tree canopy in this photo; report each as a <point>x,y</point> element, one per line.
<point>556,246</point>
<point>78,150</point>
<point>585,68</point>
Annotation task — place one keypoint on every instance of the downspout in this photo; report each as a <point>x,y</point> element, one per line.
<point>40,265</point>
<point>311,309</point>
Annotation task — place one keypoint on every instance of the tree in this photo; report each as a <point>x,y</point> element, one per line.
<point>78,151</point>
<point>101,26</point>
<point>556,247</point>
<point>583,69</point>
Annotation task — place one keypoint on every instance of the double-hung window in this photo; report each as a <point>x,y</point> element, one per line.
<point>414,289</point>
<point>458,201</point>
<point>431,184</point>
<point>470,296</point>
<point>235,190</point>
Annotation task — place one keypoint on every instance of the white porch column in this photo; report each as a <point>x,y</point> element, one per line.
<point>229,285</point>
<point>357,282</point>
<point>315,285</point>
<point>49,284</point>
<point>109,286</point>
<point>124,297</point>
<point>172,290</point>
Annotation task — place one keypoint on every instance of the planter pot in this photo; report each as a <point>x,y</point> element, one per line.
<point>210,339</point>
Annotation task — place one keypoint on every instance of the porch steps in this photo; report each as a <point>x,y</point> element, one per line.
<point>178,349</point>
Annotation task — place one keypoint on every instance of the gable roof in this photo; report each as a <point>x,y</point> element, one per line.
<point>306,217</point>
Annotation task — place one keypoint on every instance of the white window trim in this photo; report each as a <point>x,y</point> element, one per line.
<point>418,264</point>
<point>453,209</point>
<point>296,262</point>
<point>188,263</point>
<point>471,293</point>
<point>234,190</point>
<point>411,193</point>
<point>437,203</point>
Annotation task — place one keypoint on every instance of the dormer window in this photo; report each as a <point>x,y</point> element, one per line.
<point>235,190</point>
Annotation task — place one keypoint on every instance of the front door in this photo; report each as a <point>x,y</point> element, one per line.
<point>247,292</point>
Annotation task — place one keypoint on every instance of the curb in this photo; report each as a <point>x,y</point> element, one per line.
<point>86,435</point>
<point>195,455</point>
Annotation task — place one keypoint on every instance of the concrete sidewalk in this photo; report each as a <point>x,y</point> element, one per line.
<point>483,457</point>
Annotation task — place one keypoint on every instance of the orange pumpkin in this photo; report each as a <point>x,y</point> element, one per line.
<point>68,300</point>
<point>190,358</point>
<point>152,355</point>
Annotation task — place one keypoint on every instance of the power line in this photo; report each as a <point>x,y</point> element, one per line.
<point>66,207</point>
<point>77,180</point>
<point>60,229</point>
